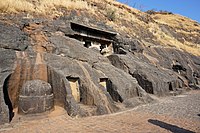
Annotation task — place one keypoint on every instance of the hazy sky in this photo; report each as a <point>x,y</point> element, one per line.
<point>188,8</point>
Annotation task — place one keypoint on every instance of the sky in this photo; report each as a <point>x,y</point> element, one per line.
<point>188,8</point>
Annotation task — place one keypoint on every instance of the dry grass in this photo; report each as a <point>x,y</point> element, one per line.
<point>40,6</point>
<point>15,5</point>
<point>177,21</point>
<point>183,25</point>
<point>168,40</point>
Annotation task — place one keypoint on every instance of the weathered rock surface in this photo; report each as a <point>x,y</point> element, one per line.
<point>152,79</point>
<point>39,60</point>
<point>12,37</point>
<point>7,60</point>
<point>182,63</point>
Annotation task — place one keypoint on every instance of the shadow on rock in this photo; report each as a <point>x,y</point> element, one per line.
<point>172,128</point>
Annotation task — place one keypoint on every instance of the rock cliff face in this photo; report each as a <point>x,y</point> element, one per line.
<point>68,62</point>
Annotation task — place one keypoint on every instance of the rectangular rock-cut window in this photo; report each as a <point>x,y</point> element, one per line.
<point>74,84</point>
<point>87,44</point>
<point>103,82</point>
<point>107,84</point>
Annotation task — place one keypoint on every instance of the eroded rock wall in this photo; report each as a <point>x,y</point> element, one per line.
<point>41,49</point>
<point>7,60</point>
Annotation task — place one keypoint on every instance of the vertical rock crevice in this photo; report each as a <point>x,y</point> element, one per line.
<point>7,99</point>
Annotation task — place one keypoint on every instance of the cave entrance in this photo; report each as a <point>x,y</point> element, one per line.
<point>87,44</point>
<point>177,67</point>
<point>7,98</point>
<point>74,84</point>
<point>107,84</point>
<point>103,82</point>
<point>170,87</point>
<point>94,37</point>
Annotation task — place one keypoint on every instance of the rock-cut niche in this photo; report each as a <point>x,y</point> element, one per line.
<point>74,84</point>
<point>109,87</point>
<point>94,38</point>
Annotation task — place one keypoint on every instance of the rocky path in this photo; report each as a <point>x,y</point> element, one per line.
<point>181,106</point>
<point>179,114</point>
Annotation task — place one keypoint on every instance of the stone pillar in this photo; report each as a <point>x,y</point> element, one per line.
<point>36,96</point>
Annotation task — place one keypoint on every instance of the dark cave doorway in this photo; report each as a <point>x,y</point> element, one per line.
<point>107,84</point>
<point>170,87</point>
<point>7,98</point>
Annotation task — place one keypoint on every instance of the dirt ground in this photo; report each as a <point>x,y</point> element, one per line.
<point>176,114</point>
